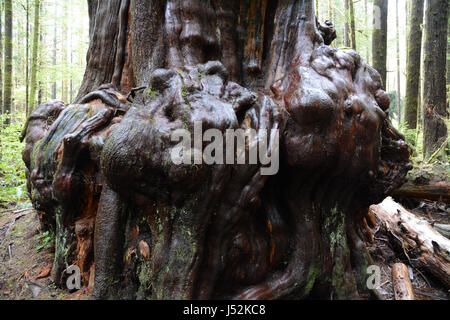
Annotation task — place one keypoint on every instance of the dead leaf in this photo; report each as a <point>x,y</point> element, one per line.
<point>45,272</point>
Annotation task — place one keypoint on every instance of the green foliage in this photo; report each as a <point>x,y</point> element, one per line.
<point>12,168</point>
<point>46,239</point>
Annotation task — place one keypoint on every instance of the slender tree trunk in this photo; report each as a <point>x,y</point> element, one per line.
<point>41,84</point>
<point>317,10</point>
<point>379,38</point>
<point>367,28</point>
<point>8,57</point>
<point>64,76</point>
<point>1,57</point>
<point>27,62</point>
<point>352,24</point>
<point>412,97</point>
<point>54,45</point>
<point>347,29</point>
<point>434,109</point>
<point>71,58</point>
<point>448,64</point>
<point>399,95</point>
<point>330,11</point>
<point>34,56</point>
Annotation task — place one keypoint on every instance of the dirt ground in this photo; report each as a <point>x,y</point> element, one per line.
<point>24,267</point>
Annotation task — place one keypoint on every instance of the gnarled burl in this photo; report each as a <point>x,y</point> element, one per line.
<point>101,175</point>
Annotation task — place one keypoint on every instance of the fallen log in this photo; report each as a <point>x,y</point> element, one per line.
<point>403,289</point>
<point>443,229</point>
<point>424,247</point>
<point>435,191</point>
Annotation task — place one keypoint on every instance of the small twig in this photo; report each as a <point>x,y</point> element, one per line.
<point>387,281</point>
<point>428,295</point>
<point>9,251</point>
<point>14,221</point>
<point>14,211</point>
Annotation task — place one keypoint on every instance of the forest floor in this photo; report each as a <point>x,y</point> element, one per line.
<point>26,257</point>
<point>384,254</point>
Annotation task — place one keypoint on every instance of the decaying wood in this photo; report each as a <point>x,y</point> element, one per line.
<point>403,289</point>
<point>423,246</point>
<point>443,229</point>
<point>435,191</point>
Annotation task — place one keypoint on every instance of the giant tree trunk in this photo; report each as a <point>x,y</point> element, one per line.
<point>434,104</point>
<point>413,64</point>
<point>379,38</point>
<point>102,177</point>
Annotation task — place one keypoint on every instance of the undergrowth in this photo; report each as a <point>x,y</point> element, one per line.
<point>12,169</point>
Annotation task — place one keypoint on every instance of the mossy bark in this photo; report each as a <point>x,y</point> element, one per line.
<point>379,38</point>
<point>435,103</point>
<point>7,101</point>
<point>412,99</point>
<point>34,56</point>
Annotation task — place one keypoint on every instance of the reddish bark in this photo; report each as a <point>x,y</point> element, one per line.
<point>165,231</point>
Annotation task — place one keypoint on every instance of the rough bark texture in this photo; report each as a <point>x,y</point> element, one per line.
<point>1,64</point>
<point>403,289</point>
<point>7,99</point>
<point>102,177</point>
<point>435,102</point>
<point>34,56</point>
<point>413,63</point>
<point>379,38</point>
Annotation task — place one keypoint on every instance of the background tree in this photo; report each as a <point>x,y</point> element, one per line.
<point>64,70</point>
<point>27,58</point>
<point>413,63</point>
<point>347,29</point>
<point>352,24</point>
<point>434,104</point>
<point>54,45</point>
<point>1,57</point>
<point>8,79</point>
<point>379,37</point>
<point>34,58</point>
<point>399,95</point>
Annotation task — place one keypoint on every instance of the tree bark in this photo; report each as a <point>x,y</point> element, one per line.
<point>1,60</point>
<point>102,174</point>
<point>379,38</point>
<point>34,55</point>
<point>64,75</point>
<point>436,191</point>
<point>434,109</point>
<point>352,24</point>
<point>399,95</point>
<point>413,64</point>
<point>403,289</point>
<point>54,85</point>
<point>347,28</point>
<point>27,59</point>
<point>8,59</point>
